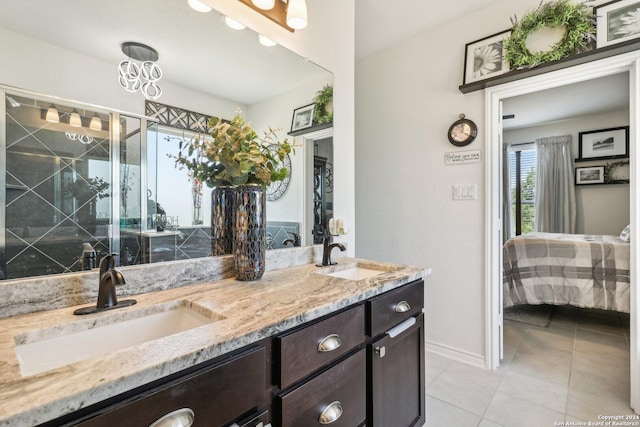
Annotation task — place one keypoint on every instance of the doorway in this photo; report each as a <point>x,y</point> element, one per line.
<point>627,63</point>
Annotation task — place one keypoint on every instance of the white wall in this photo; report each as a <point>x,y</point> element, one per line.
<point>407,97</point>
<point>600,209</point>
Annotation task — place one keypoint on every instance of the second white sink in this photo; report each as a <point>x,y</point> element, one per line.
<point>355,273</point>
<point>102,336</point>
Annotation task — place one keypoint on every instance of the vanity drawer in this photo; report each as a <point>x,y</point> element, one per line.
<point>217,396</point>
<point>393,307</point>
<point>338,393</point>
<point>305,350</point>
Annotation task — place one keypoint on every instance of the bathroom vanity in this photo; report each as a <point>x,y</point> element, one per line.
<point>340,345</point>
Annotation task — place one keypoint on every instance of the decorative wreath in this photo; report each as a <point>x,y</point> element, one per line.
<point>575,17</point>
<point>322,98</point>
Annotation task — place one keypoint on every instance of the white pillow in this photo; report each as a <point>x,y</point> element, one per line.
<point>625,235</point>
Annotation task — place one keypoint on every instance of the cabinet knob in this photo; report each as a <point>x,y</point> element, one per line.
<point>331,413</point>
<point>329,343</point>
<point>178,418</point>
<point>402,307</point>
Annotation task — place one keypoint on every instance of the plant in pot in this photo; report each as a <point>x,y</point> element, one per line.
<point>237,164</point>
<point>323,111</point>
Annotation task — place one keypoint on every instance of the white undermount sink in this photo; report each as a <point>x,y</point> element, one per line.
<point>38,352</point>
<point>355,272</point>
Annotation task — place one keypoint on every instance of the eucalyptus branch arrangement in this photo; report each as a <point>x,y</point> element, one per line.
<point>575,18</point>
<point>234,155</point>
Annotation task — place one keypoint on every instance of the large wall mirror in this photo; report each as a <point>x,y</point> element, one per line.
<point>115,186</point>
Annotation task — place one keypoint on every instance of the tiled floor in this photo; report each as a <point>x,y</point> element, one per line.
<point>573,370</point>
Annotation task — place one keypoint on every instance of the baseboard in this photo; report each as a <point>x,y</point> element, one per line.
<point>456,354</point>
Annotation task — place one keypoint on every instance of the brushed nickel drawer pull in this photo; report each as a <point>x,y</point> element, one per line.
<point>331,413</point>
<point>179,418</point>
<point>402,307</point>
<point>329,343</point>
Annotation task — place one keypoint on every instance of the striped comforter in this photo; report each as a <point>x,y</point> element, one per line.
<point>578,269</point>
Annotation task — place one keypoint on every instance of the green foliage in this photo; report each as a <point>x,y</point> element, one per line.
<point>235,155</point>
<point>576,18</point>
<point>322,98</point>
<point>527,210</point>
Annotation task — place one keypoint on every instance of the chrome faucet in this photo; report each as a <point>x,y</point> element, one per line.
<point>327,247</point>
<point>108,277</point>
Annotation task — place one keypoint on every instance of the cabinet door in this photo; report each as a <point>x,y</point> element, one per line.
<point>397,379</point>
<point>217,396</point>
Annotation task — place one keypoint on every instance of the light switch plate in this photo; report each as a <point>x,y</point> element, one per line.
<point>465,192</point>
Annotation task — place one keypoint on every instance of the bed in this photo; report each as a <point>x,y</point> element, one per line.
<point>577,269</point>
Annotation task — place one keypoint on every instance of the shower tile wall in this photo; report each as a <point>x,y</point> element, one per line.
<point>57,192</point>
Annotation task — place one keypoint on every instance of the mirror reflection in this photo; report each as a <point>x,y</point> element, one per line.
<point>66,185</point>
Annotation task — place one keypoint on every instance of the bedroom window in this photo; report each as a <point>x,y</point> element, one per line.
<point>522,185</point>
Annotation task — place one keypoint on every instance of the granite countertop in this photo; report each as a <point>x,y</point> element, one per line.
<point>245,312</point>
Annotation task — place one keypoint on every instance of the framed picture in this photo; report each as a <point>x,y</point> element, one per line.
<point>617,22</point>
<point>302,117</point>
<point>590,175</point>
<point>601,144</point>
<point>485,58</point>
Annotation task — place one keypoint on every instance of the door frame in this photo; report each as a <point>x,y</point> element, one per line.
<point>624,63</point>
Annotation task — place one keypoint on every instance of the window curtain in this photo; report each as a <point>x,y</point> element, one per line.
<point>555,202</point>
<point>506,195</point>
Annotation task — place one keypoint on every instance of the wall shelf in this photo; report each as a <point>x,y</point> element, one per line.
<point>311,129</point>
<point>582,58</point>
<point>601,159</point>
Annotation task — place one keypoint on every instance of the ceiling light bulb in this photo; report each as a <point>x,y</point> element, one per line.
<point>198,6</point>
<point>297,14</point>
<point>265,41</point>
<point>232,23</point>
<point>52,115</point>
<point>75,120</point>
<point>264,4</point>
<point>96,123</point>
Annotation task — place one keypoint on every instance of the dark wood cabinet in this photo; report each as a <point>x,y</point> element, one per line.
<point>362,365</point>
<point>217,396</point>
<point>397,379</point>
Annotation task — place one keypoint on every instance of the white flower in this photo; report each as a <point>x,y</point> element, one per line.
<point>485,59</point>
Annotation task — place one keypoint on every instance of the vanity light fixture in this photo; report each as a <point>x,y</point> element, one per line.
<point>74,119</point>
<point>289,14</point>
<point>265,41</point>
<point>198,6</point>
<point>264,4</point>
<point>52,115</point>
<point>232,23</point>
<point>297,14</point>
<point>144,77</point>
<point>96,123</point>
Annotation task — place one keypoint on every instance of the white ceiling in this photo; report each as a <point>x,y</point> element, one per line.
<point>198,51</point>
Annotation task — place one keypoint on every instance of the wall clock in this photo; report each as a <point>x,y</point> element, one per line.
<point>275,190</point>
<point>462,132</point>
